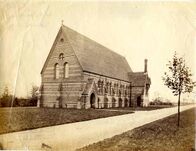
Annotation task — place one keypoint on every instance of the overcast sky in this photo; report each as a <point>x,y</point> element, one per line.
<point>132,29</point>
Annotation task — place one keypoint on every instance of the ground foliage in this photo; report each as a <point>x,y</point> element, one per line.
<point>161,135</point>
<point>24,118</point>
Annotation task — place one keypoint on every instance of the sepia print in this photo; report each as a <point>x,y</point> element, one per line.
<point>97,75</point>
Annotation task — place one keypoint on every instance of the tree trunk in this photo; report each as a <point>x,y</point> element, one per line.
<point>179,109</point>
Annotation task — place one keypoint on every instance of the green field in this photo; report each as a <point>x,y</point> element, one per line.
<point>149,108</point>
<point>162,135</point>
<point>24,118</point>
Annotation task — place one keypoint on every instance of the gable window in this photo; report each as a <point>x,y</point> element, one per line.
<point>56,71</point>
<point>66,70</point>
<point>62,40</point>
<point>61,56</point>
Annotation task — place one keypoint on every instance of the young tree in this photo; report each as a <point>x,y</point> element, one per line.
<point>34,89</point>
<point>178,79</point>
<point>33,98</point>
<point>6,98</point>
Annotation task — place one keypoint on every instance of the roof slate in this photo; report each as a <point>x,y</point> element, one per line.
<point>139,78</point>
<point>96,58</point>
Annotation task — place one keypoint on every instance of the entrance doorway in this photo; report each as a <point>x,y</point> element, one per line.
<point>139,101</point>
<point>120,102</point>
<point>126,102</point>
<point>98,102</point>
<point>105,102</point>
<point>113,102</point>
<point>92,100</point>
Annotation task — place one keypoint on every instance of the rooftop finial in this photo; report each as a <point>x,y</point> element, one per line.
<point>62,22</point>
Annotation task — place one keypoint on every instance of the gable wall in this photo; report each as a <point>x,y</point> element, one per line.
<point>136,91</point>
<point>75,69</point>
<point>71,87</point>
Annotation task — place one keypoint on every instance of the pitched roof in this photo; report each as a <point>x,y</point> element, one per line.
<point>139,78</point>
<point>96,58</point>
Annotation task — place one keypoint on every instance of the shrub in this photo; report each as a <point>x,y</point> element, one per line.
<point>159,101</point>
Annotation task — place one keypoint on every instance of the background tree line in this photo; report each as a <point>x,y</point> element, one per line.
<point>9,100</point>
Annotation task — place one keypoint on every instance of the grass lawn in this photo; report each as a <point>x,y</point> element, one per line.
<point>149,108</point>
<point>23,118</point>
<point>161,135</point>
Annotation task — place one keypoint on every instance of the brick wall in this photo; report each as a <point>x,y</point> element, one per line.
<point>66,92</point>
<point>71,87</point>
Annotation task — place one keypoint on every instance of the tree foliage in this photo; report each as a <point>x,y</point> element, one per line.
<point>33,98</point>
<point>178,79</point>
<point>179,76</point>
<point>6,98</point>
<point>9,100</point>
<point>34,89</point>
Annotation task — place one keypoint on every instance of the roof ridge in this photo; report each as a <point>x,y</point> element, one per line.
<point>71,47</point>
<point>93,40</point>
<point>95,57</point>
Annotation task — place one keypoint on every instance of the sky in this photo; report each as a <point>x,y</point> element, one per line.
<point>136,30</point>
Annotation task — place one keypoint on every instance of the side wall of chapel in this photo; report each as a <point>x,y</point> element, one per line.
<point>111,92</point>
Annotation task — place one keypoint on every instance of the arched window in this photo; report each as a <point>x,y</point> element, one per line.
<point>66,70</point>
<point>62,39</point>
<point>102,87</point>
<point>110,88</point>
<point>61,56</point>
<point>99,86</point>
<point>56,71</point>
<point>113,91</point>
<point>99,83</point>
<point>119,93</point>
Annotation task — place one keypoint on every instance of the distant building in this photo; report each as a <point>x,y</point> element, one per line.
<point>81,73</point>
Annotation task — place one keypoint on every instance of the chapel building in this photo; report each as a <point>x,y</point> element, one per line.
<point>81,73</point>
